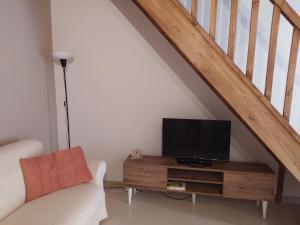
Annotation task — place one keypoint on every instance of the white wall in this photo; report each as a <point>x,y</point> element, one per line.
<point>125,78</point>
<point>26,72</point>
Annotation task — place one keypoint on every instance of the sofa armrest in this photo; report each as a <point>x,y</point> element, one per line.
<point>98,170</point>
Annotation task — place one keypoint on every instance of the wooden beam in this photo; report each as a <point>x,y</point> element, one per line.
<point>236,91</point>
<point>291,74</point>
<point>195,10</point>
<point>213,18</point>
<point>272,52</point>
<point>252,38</point>
<point>290,14</point>
<point>232,28</point>
<point>280,183</point>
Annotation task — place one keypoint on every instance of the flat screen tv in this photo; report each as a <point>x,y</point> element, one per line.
<point>207,140</point>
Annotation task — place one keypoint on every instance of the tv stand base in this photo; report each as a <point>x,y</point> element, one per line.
<point>264,204</point>
<point>236,180</point>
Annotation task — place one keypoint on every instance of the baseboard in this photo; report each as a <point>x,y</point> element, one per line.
<point>113,184</point>
<point>291,199</point>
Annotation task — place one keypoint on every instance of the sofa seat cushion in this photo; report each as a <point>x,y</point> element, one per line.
<point>72,206</point>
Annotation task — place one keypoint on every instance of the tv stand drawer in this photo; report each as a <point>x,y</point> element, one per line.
<point>145,176</point>
<point>251,186</point>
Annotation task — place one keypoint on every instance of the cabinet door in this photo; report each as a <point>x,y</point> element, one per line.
<point>253,186</point>
<point>145,176</point>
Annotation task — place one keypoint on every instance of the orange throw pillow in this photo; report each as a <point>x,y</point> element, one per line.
<point>58,170</point>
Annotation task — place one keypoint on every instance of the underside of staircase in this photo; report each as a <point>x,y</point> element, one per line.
<point>228,82</point>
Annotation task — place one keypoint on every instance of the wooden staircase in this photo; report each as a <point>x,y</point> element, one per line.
<point>219,71</point>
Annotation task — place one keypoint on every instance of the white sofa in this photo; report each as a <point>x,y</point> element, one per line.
<point>79,205</point>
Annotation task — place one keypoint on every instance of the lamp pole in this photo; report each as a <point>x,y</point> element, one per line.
<point>64,57</point>
<point>63,63</point>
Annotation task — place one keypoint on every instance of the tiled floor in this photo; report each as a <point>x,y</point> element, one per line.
<point>152,208</point>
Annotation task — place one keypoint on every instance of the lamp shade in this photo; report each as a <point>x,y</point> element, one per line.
<point>62,55</point>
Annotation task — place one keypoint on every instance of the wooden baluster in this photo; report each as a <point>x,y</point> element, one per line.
<point>272,51</point>
<point>232,28</point>
<point>252,38</point>
<point>195,10</point>
<point>213,18</point>
<point>291,73</point>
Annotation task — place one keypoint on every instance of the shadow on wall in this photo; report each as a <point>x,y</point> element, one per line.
<point>8,141</point>
<point>241,135</point>
<point>43,9</point>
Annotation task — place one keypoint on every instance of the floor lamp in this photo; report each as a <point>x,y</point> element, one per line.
<point>64,58</point>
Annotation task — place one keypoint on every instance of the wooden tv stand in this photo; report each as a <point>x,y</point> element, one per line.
<point>238,180</point>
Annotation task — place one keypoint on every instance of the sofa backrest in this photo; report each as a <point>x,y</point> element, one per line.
<point>12,187</point>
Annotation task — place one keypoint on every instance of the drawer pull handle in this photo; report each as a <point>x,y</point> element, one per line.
<point>142,171</point>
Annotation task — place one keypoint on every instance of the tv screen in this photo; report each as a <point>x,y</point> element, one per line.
<point>196,139</point>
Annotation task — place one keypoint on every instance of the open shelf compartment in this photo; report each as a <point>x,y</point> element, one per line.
<point>201,188</point>
<point>210,177</point>
<point>205,189</point>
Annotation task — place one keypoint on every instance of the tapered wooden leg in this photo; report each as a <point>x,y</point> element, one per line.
<point>258,202</point>
<point>264,208</point>
<point>129,195</point>
<point>194,198</point>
